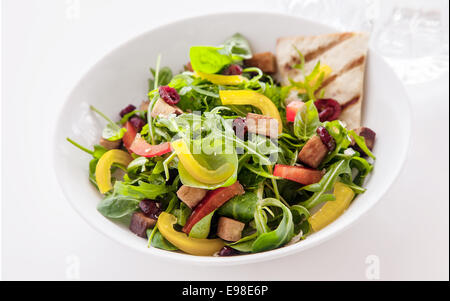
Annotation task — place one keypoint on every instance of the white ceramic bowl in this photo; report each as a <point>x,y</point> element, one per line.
<point>121,77</point>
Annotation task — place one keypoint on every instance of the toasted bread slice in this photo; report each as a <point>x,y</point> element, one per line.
<point>344,52</point>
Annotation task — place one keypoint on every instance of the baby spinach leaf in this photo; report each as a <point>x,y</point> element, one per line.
<point>238,46</point>
<point>158,241</point>
<point>208,59</point>
<point>117,206</point>
<point>164,77</point>
<point>202,227</point>
<point>241,207</point>
<point>182,214</point>
<point>306,121</point>
<point>269,240</point>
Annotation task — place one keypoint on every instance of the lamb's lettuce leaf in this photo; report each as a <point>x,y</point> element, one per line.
<point>241,207</point>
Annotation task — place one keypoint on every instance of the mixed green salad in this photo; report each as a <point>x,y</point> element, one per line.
<point>221,160</point>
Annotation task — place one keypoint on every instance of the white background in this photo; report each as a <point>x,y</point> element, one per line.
<point>44,53</point>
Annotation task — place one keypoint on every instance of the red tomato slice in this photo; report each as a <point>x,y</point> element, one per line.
<point>302,175</point>
<point>142,148</point>
<point>292,108</point>
<point>129,136</point>
<point>213,200</point>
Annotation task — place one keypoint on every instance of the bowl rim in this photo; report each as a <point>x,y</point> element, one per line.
<point>247,258</point>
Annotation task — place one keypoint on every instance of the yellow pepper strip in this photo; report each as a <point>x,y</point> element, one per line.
<point>223,80</point>
<point>197,171</point>
<point>103,168</point>
<point>332,209</point>
<point>325,69</point>
<point>193,246</point>
<point>248,97</point>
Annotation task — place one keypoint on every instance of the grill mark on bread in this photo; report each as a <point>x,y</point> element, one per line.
<point>350,102</point>
<point>324,48</point>
<point>353,64</point>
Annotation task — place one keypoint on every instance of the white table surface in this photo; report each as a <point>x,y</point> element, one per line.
<point>43,238</point>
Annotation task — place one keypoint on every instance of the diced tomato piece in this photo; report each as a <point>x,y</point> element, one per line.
<point>299,174</point>
<point>129,135</point>
<point>292,109</point>
<point>142,148</point>
<point>213,200</point>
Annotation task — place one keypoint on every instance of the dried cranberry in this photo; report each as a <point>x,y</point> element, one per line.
<point>128,109</point>
<point>329,109</point>
<point>232,70</point>
<point>137,122</point>
<point>169,95</point>
<point>240,127</point>
<point>150,208</point>
<point>326,138</point>
<point>227,251</point>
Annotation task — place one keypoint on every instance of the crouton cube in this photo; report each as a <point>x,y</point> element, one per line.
<point>262,125</point>
<point>313,152</point>
<point>144,105</point>
<point>264,61</point>
<point>230,229</point>
<point>191,196</point>
<point>140,223</point>
<point>110,144</point>
<point>163,109</point>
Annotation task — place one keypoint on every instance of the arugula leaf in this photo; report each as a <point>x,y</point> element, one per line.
<point>363,167</point>
<point>202,227</point>
<point>99,151</point>
<point>269,240</point>
<point>289,191</point>
<point>142,191</point>
<point>241,207</point>
<point>112,131</point>
<point>361,142</point>
<point>306,121</point>
<point>321,188</point>
<point>300,66</point>
<point>312,82</point>
<point>340,136</point>
<point>117,206</point>
<point>249,179</point>
<point>137,164</point>
<point>96,154</point>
